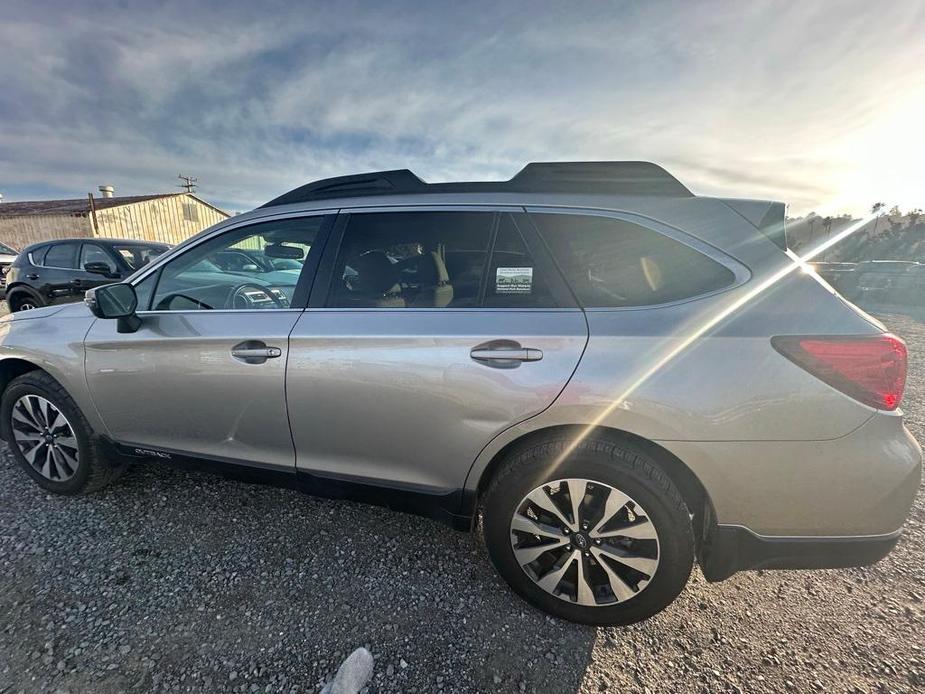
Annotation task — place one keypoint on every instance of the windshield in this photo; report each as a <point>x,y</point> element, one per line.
<point>6,249</point>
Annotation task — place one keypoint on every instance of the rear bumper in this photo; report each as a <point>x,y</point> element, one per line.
<point>860,485</point>
<point>733,548</point>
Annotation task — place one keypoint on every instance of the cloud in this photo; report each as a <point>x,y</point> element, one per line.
<point>758,99</point>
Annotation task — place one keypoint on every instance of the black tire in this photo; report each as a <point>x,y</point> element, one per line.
<point>19,298</point>
<point>620,465</point>
<point>94,468</point>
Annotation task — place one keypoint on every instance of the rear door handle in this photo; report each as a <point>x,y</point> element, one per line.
<point>32,276</point>
<point>255,352</point>
<point>504,354</point>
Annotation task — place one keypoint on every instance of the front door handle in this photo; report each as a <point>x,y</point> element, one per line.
<point>255,352</point>
<point>504,354</point>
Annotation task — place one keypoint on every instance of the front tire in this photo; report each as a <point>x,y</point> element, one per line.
<point>51,439</point>
<point>597,535</point>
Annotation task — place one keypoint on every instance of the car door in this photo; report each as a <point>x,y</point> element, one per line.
<point>428,333</point>
<point>205,373</point>
<point>94,253</point>
<point>54,280</point>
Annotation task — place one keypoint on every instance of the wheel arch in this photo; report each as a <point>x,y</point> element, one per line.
<point>14,368</point>
<point>20,289</point>
<point>689,485</point>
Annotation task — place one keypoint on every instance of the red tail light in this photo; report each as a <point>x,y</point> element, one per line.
<point>869,369</point>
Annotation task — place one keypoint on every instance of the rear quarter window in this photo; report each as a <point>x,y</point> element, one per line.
<point>615,263</point>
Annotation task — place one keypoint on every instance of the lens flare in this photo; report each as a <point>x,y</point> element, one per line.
<point>798,262</point>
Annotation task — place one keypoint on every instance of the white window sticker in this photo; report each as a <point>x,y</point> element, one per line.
<point>514,280</point>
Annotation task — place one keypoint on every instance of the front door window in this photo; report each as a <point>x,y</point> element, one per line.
<point>256,267</point>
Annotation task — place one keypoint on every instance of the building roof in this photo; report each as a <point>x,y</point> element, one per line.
<point>79,205</point>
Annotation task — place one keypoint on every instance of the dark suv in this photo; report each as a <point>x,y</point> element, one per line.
<point>60,271</point>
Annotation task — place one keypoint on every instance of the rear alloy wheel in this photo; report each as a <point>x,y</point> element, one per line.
<point>45,438</point>
<point>593,532</point>
<point>601,550</point>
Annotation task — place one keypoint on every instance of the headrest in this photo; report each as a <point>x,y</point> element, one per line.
<point>376,274</point>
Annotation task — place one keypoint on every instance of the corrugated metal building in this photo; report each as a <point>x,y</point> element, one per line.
<point>169,218</point>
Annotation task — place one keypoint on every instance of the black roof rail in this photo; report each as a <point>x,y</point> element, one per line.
<point>592,177</point>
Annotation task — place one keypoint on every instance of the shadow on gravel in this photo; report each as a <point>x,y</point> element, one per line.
<point>173,578</point>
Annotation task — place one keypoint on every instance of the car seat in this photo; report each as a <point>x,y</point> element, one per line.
<point>375,283</point>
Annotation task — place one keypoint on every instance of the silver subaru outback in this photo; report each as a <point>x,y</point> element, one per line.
<point>613,375</point>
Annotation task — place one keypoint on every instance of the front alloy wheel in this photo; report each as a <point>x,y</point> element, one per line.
<point>45,438</point>
<point>51,439</point>
<point>585,542</point>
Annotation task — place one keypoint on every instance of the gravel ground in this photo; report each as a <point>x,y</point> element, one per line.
<point>180,581</point>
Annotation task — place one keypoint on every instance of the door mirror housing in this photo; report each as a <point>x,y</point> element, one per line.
<point>100,268</point>
<point>115,301</point>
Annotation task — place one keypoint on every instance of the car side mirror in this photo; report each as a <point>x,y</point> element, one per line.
<point>100,268</point>
<point>115,301</point>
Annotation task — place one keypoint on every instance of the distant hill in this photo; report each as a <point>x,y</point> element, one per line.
<point>889,237</point>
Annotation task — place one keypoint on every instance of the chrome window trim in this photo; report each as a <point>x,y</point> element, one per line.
<point>213,311</point>
<point>435,309</point>
<point>741,272</point>
<point>415,309</point>
<point>434,207</point>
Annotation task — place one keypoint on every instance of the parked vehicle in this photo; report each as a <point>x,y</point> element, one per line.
<point>616,375</point>
<point>61,271</point>
<point>881,281</point>
<point>7,256</point>
<point>910,286</point>
<point>840,275</point>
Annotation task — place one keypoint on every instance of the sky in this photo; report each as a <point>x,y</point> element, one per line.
<point>819,104</point>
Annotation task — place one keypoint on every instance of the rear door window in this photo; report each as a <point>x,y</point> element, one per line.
<point>61,255</point>
<point>436,259</point>
<point>615,263</point>
<point>514,279</point>
<point>412,260</point>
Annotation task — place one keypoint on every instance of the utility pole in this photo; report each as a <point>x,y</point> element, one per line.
<point>189,183</point>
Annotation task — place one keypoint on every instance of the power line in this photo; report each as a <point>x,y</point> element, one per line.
<point>189,183</point>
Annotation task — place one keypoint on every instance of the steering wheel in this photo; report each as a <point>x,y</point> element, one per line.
<point>237,296</point>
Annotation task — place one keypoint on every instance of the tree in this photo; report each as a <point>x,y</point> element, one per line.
<point>914,217</point>
<point>827,225</point>
<point>812,226</point>
<point>875,209</point>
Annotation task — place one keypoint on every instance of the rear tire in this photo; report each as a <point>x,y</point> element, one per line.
<point>51,439</point>
<point>23,300</point>
<point>586,576</point>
